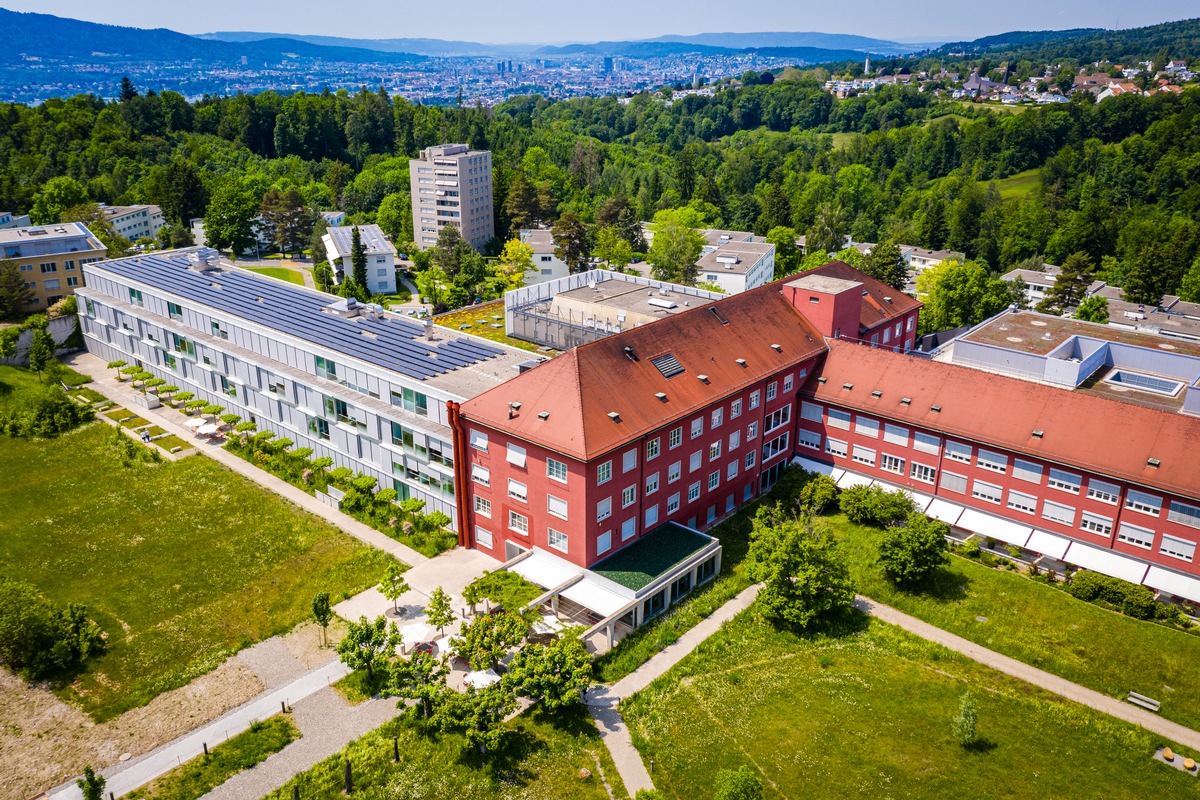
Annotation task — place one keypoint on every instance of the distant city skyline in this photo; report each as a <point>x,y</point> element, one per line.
<point>546,21</point>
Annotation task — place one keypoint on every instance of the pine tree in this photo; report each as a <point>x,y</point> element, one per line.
<point>358,259</point>
<point>1072,282</point>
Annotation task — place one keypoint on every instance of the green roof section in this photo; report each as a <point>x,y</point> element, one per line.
<point>637,565</point>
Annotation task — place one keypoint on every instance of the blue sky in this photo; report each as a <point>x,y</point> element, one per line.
<point>571,20</point>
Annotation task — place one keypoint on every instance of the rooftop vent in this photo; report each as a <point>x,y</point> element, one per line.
<point>1153,462</point>
<point>662,396</point>
<point>822,379</point>
<point>906,401</point>
<point>702,378</point>
<point>887,299</point>
<point>543,415</point>
<point>614,416</point>
<point>936,409</point>
<point>741,362</point>
<point>716,312</point>
<point>847,386</point>
<point>630,354</point>
<point>1038,434</point>
<point>876,393</point>
<point>777,348</point>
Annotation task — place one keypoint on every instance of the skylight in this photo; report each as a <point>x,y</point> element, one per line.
<point>668,365</point>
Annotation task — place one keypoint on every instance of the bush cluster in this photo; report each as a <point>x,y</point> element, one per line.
<point>38,640</point>
<point>873,505</point>
<point>41,411</point>
<point>1131,599</point>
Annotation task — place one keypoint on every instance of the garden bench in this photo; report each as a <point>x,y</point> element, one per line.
<point>1148,703</point>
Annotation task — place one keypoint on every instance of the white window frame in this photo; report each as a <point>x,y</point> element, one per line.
<point>1175,547</point>
<point>483,537</point>
<point>652,484</point>
<point>811,411</point>
<point>866,426</point>
<point>483,507</point>
<point>674,472</point>
<point>863,455</point>
<point>927,443</point>
<point>673,503</point>
<point>1103,491</point>
<point>1143,503</point>
<point>697,427</point>
<point>557,540</point>
<point>518,523</point>
<point>1095,523</point>
<point>556,506</point>
<point>988,492</point>
<point>1064,481</point>
<point>479,440</point>
<point>958,451</point>
<point>515,455</point>
<point>991,460</point>
<point>628,496</point>
<point>922,472</point>
<point>837,418</point>
<point>1136,535</point>
<point>604,473</point>
<point>891,463</point>
<point>954,478</point>
<point>1020,501</point>
<point>1056,512</point>
<point>518,490</point>
<point>554,467</point>
<point>603,509</point>
<point>836,447</point>
<point>1027,471</point>
<point>481,475</point>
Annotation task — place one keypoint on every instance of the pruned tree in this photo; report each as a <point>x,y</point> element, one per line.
<point>555,674</point>
<point>438,613</point>
<point>367,644</point>
<point>488,639</point>
<point>322,614</point>
<point>422,678</point>
<point>393,585</point>
<point>910,553</point>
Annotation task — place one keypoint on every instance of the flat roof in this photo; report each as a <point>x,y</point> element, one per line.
<point>540,239</point>
<point>1031,332</point>
<point>716,237</point>
<point>373,239</point>
<point>748,254</point>
<point>628,296</point>
<point>827,284</point>
<point>456,363</point>
<point>47,233</point>
<point>1178,321</point>
<point>639,564</point>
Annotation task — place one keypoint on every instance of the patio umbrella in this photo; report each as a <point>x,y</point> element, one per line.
<point>481,678</point>
<point>415,633</point>
<point>195,422</point>
<point>208,430</point>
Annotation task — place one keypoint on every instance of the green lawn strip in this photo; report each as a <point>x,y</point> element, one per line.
<point>117,413</point>
<point>134,422</point>
<point>282,273</point>
<point>1042,626</point>
<point>88,394</point>
<point>867,714</point>
<point>182,563</point>
<point>355,687</point>
<point>168,443</point>
<point>543,761</point>
<point>507,589</point>
<point>202,774</point>
<point>471,316</point>
<point>14,382</point>
<point>1018,186</point>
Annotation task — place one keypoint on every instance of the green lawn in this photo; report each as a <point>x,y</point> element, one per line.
<point>1019,186</point>
<point>480,321</point>
<point>1043,626</point>
<point>203,774</point>
<point>181,563</point>
<point>840,140</point>
<point>868,715</point>
<point>282,273</point>
<point>542,763</point>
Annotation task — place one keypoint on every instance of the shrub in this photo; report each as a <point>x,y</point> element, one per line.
<point>818,493</point>
<point>740,784</point>
<point>910,553</point>
<point>970,549</point>
<point>36,639</point>
<point>41,411</point>
<point>1133,600</point>
<point>872,505</point>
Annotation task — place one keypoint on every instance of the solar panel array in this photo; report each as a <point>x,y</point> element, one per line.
<point>393,343</point>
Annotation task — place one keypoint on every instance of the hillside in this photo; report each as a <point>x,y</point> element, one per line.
<point>1155,42</point>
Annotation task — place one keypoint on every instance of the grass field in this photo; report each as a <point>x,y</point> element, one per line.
<point>1018,186</point>
<point>203,774</point>
<point>868,715</point>
<point>181,563</point>
<point>1043,626</point>
<point>480,320</point>
<point>840,140</point>
<point>282,273</point>
<point>542,763</point>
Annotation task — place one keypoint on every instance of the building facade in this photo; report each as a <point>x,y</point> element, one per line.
<point>134,222</point>
<point>51,258</point>
<point>547,266</point>
<point>452,185</point>
<point>364,387</point>
<point>380,252</point>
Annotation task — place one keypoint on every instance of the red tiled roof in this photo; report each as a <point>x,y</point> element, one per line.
<point>581,387</point>
<point>876,309</point>
<point>1087,432</point>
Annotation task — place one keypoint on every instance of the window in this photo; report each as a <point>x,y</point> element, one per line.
<point>696,461</point>
<point>517,490</point>
<point>483,538</point>
<point>50,267</point>
<point>169,360</point>
<point>891,463</point>
<point>735,409</point>
<point>628,496</point>
<point>556,470</point>
<point>697,427</point>
<point>958,451</point>
<point>1057,512</point>
<point>714,451</point>
<point>182,345</point>
<point>1103,491</point>
<point>556,539</point>
<point>810,411</point>
<point>985,491</point>
<point>787,382</point>
<point>1095,523</point>
<point>954,483</point>
<point>774,447</point>
<point>1027,471</point>
<point>718,417</point>
<point>865,426</point>
<point>481,475</point>
<point>693,491</point>
<point>556,506</point>
<point>479,440</point>
<point>751,431</point>
<point>810,439</point>
<point>218,331</point>
<point>411,401</point>
<point>673,503</point>
<point>628,528</point>
<point>750,458</point>
<point>604,509</point>
<point>927,443</point>
<point>894,434</point>
<point>72,281</point>
<point>838,418</point>
<point>772,389</point>
<point>651,516</point>
<point>1184,514</point>
<point>777,419</point>
<point>1143,503</point>
<point>603,542</point>
<point>837,448</point>
<point>518,523</point>
<point>515,455</point>
<point>754,399</point>
<point>675,437</point>
<point>714,480</point>
<point>1022,502</point>
<point>732,470</point>
<point>319,428</point>
<point>922,473</point>
<point>674,471</point>
<point>326,369</point>
<point>863,455</point>
<point>993,461</point>
<point>1065,481</point>
<point>174,311</point>
<point>735,440</point>
<point>483,507</point>
<point>604,473</point>
<point>1135,535</point>
<point>1178,548</point>
<point>652,449</point>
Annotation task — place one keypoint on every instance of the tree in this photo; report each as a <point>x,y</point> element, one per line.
<point>438,613</point>
<point>675,249</point>
<point>910,553</point>
<point>740,784</point>
<point>787,252</point>
<point>287,218</point>
<point>886,265</point>
<point>828,231</point>
<point>874,505</point>
<point>488,639</point>
<point>358,258</point>
<point>91,784</point>
<point>965,723</point>
<point>960,294</point>
<point>395,216</point>
<point>38,640</point>
<point>41,349</point>
<point>421,678</point>
<point>617,212</point>
<point>57,195</point>
<point>1093,309</point>
<point>128,91</point>
<point>366,644</point>
<point>612,248</point>
<point>571,241</point>
<point>554,675</point>
<point>1072,283</point>
<point>228,223</point>
<point>521,202</point>
<point>178,189</point>
<point>15,295</point>
<point>1189,289</point>
<point>393,585</point>
<point>804,573</point>
<point>479,714</point>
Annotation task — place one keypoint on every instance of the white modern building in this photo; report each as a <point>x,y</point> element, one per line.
<point>737,267</point>
<point>546,265</point>
<point>367,388</point>
<point>381,256</point>
<point>134,222</point>
<point>452,185</point>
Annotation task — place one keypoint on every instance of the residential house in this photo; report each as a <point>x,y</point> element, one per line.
<point>380,252</point>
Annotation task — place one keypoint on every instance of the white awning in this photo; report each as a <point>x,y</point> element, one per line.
<point>850,479</point>
<point>944,510</point>
<point>920,499</point>
<point>596,598</point>
<point>995,527</point>
<point>1048,544</point>
<point>1106,562</point>
<point>1179,585</point>
<point>836,473</point>
<point>813,466</point>
<point>545,570</point>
